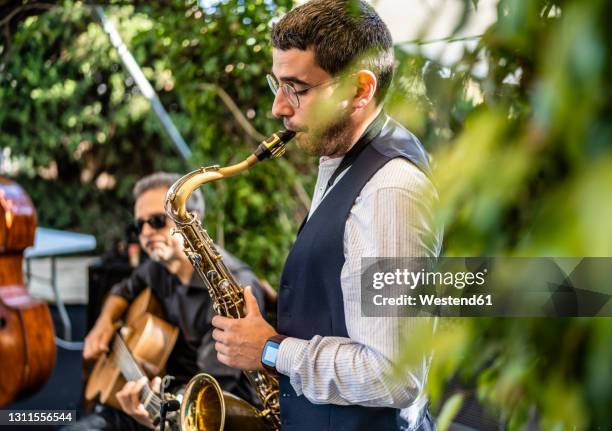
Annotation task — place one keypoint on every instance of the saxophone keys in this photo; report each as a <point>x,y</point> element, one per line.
<point>211,275</point>
<point>195,258</point>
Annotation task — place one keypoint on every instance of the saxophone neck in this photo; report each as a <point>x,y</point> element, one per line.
<point>179,192</point>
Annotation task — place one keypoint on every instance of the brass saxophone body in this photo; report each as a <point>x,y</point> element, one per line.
<point>205,406</point>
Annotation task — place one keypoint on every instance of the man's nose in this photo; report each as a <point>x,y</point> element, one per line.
<point>281,106</point>
<point>147,230</point>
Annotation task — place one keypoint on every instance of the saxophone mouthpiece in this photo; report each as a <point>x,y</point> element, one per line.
<point>285,135</point>
<point>274,146</point>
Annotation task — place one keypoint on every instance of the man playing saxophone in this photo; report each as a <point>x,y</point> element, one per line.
<point>186,303</point>
<point>332,65</point>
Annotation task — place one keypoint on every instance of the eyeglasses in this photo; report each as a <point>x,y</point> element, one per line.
<point>290,92</point>
<point>156,221</point>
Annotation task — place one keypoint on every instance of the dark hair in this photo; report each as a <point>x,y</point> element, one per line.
<point>343,34</point>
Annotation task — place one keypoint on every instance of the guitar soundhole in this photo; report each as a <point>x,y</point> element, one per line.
<point>2,322</point>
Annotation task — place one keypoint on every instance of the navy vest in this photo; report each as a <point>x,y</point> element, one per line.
<point>310,297</point>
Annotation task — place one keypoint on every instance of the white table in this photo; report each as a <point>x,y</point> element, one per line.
<point>51,243</point>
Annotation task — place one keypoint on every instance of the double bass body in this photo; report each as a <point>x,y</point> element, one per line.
<point>27,342</point>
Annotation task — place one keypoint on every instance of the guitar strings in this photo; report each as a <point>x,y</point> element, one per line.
<point>135,374</point>
<point>132,371</point>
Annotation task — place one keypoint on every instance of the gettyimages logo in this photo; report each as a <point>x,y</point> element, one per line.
<point>412,279</point>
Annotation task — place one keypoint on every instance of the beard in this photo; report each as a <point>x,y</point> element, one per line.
<point>330,140</point>
<point>166,251</point>
<point>161,254</point>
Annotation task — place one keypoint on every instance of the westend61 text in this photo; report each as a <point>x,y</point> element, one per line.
<point>433,300</point>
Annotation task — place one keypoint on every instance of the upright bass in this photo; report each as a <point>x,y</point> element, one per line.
<point>27,340</point>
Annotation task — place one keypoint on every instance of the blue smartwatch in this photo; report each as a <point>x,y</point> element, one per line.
<point>270,353</point>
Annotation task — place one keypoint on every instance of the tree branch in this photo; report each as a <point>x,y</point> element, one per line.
<point>235,110</point>
<point>23,8</point>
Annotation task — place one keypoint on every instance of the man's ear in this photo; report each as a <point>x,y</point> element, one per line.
<point>366,88</point>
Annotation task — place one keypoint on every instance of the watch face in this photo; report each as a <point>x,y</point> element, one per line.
<point>269,354</point>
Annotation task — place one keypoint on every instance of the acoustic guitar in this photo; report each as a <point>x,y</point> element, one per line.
<point>140,348</point>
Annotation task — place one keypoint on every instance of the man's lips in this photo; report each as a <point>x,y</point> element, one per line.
<point>154,242</point>
<point>289,126</point>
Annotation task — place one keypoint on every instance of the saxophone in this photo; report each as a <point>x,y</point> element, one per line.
<point>205,406</point>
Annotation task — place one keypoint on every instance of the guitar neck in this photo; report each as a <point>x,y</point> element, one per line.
<point>131,371</point>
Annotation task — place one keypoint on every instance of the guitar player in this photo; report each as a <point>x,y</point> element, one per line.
<point>186,304</point>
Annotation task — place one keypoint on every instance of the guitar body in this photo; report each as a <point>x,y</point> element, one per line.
<point>150,341</point>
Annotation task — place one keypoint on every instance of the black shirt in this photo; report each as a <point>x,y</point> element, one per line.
<point>189,307</point>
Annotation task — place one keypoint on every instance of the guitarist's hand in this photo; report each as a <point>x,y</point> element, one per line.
<point>129,399</point>
<point>98,339</point>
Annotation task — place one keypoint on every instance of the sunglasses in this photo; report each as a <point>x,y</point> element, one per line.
<point>156,221</point>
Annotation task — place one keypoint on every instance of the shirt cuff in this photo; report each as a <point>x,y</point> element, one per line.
<point>289,351</point>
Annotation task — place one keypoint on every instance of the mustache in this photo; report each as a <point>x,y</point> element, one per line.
<point>289,126</point>
<point>152,241</point>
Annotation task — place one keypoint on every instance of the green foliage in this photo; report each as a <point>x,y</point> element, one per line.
<point>226,47</point>
<point>80,127</point>
<point>524,165</point>
<point>522,159</point>
<point>80,133</point>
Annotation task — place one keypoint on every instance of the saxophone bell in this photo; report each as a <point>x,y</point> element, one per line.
<point>206,407</point>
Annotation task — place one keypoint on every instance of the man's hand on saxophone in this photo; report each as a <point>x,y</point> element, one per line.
<point>239,342</point>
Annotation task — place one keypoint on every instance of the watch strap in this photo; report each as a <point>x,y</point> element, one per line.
<point>278,338</point>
